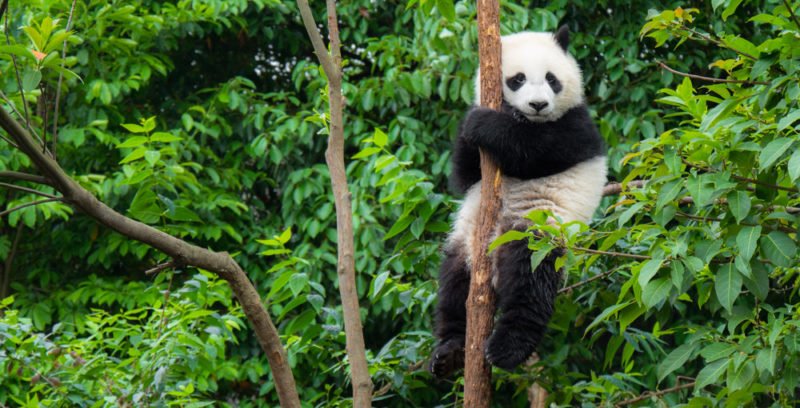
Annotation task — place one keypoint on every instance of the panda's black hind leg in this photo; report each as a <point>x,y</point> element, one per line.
<point>525,300</point>
<point>451,314</point>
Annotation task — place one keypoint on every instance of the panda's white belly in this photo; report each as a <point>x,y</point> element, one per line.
<point>572,195</point>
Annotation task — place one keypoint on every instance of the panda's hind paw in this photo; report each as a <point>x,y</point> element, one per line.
<point>447,358</point>
<point>506,352</point>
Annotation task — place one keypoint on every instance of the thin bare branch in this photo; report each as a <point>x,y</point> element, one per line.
<point>27,190</point>
<point>16,175</point>
<point>716,42</point>
<point>742,178</point>
<point>610,253</point>
<point>316,38</point>
<point>710,79</point>
<point>650,394</point>
<point>19,80</point>
<point>334,157</point>
<point>26,205</point>
<point>160,267</point>
<point>587,281</point>
<point>60,79</point>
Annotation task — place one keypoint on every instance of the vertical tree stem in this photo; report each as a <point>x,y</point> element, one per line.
<point>480,303</point>
<point>334,157</point>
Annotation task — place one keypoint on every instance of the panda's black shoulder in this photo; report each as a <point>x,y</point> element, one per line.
<point>578,132</point>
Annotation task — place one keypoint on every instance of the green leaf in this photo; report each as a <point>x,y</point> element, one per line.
<point>740,378</point>
<point>779,248</point>
<point>538,256</point>
<point>447,8</point>
<point>285,236</point>
<point>716,351</point>
<point>739,204</point>
<point>794,164</point>
<point>675,360</point>
<point>144,206</point>
<point>152,157</point>
<point>399,226</point>
<point>786,121</point>
<point>134,155</point>
<point>134,141</point>
<point>508,236</point>
<point>366,152</point>
<point>773,151</point>
<point>379,138</point>
<point>668,192</point>
<point>649,269</point>
<point>727,285</point>
<point>134,128</point>
<point>608,312</point>
<point>710,373</point>
<point>747,240</point>
<point>732,6</point>
<point>164,137</point>
<point>656,291</point>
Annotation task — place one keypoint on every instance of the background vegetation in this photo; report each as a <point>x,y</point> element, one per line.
<point>204,118</point>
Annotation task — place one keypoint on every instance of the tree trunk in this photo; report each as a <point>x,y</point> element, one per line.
<point>480,303</point>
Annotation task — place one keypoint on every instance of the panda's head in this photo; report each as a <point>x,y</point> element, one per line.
<point>540,79</point>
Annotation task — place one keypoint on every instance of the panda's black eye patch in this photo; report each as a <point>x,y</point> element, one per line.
<point>516,81</point>
<point>554,83</point>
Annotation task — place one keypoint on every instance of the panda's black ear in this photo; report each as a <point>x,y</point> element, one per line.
<point>562,37</point>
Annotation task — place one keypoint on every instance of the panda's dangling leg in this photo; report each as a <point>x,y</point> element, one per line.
<point>451,314</point>
<point>525,299</point>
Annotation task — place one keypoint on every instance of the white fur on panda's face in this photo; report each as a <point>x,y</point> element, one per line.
<point>540,79</point>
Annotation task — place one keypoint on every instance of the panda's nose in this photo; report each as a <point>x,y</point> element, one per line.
<point>538,106</point>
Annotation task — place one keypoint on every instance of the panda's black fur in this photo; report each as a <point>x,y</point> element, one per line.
<point>531,152</point>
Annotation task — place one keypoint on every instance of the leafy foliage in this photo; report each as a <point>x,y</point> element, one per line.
<point>207,120</point>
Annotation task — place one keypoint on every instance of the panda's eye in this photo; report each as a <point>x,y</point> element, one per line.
<point>550,78</point>
<point>519,78</point>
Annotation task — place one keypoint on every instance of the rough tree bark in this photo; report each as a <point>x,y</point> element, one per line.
<point>480,303</point>
<point>181,251</point>
<point>334,156</point>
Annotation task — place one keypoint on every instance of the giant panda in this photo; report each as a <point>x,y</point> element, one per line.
<point>551,157</point>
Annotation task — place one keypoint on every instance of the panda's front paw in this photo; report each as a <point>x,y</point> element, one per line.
<point>507,350</point>
<point>447,358</point>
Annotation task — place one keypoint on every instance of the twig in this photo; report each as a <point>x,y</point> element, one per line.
<point>717,42</point>
<point>24,177</point>
<point>610,253</point>
<point>27,190</point>
<point>164,307</point>
<point>650,394</point>
<point>19,80</point>
<point>616,188</point>
<point>32,203</point>
<point>587,281</point>
<point>742,178</point>
<point>61,78</point>
<point>160,267</point>
<point>791,13</point>
<point>3,8</point>
<point>16,112</point>
<point>12,144</point>
<point>710,79</point>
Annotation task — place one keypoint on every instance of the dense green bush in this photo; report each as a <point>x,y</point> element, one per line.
<point>203,118</point>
